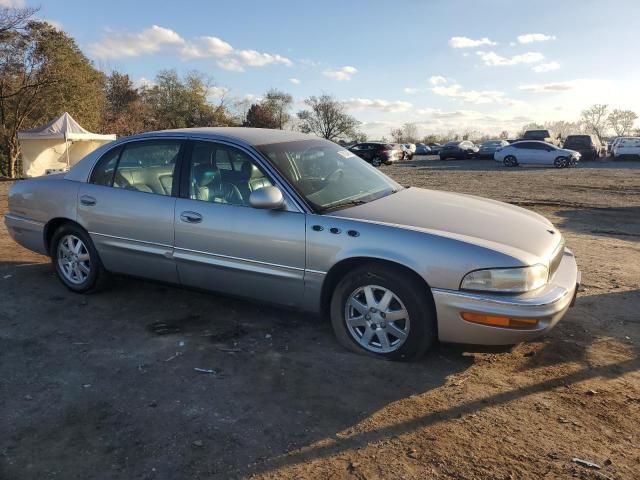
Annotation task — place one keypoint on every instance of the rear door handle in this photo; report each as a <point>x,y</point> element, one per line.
<point>87,200</point>
<point>191,217</point>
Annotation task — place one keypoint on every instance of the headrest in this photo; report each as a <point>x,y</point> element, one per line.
<point>205,174</point>
<point>249,170</point>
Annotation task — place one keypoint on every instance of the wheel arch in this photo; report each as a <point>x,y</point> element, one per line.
<point>54,224</point>
<point>340,269</point>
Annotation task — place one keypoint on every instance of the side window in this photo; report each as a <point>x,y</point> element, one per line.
<point>105,168</point>
<point>222,174</point>
<point>148,166</point>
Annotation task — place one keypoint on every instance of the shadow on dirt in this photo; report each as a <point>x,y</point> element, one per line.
<point>144,376</point>
<point>622,223</point>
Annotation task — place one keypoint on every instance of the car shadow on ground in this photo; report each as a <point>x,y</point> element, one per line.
<point>143,378</point>
<point>622,223</point>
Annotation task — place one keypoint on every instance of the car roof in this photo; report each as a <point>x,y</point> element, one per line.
<point>250,136</point>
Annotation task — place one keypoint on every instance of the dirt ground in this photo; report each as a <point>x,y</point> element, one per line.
<point>104,386</point>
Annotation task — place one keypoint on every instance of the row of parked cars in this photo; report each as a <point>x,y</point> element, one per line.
<point>535,147</point>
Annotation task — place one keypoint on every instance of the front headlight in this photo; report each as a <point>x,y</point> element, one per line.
<point>508,280</point>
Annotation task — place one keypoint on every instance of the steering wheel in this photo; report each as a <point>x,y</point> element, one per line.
<point>337,174</point>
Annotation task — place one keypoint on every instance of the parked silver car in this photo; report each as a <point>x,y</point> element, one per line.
<point>299,221</point>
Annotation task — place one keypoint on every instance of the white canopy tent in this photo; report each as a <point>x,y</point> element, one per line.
<point>56,146</point>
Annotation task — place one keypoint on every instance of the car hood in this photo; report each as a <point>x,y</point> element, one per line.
<point>511,230</point>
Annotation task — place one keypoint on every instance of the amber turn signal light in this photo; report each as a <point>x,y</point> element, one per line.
<point>499,321</point>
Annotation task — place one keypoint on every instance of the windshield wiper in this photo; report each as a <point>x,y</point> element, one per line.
<point>338,206</point>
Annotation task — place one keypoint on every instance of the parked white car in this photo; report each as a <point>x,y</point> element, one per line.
<point>626,146</point>
<point>533,152</point>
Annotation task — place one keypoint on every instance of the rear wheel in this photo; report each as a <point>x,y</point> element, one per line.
<point>75,259</point>
<point>377,310</point>
<point>376,162</point>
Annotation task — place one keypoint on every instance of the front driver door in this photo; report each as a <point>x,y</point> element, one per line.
<point>225,245</point>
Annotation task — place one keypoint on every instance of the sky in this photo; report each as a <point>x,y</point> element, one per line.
<point>442,64</point>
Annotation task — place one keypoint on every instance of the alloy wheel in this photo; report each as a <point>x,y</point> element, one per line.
<point>377,319</point>
<point>74,261</point>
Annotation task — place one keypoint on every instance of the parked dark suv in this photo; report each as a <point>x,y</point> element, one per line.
<point>459,150</point>
<point>542,135</point>
<point>377,153</point>
<point>588,145</point>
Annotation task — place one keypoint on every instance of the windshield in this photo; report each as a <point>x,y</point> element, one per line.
<point>326,175</point>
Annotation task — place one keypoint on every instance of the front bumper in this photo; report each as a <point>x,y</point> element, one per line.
<point>548,305</point>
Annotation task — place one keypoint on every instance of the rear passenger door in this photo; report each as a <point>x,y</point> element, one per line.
<point>224,244</point>
<point>127,208</point>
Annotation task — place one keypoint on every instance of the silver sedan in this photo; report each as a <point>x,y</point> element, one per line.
<point>299,221</point>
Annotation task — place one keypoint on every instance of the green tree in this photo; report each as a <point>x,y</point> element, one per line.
<point>260,116</point>
<point>43,73</point>
<point>174,102</point>
<point>124,112</point>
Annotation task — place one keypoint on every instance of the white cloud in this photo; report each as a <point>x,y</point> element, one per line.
<point>230,64</point>
<point>535,37</point>
<point>437,80</point>
<point>549,87</point>
<point>143,82</point>
<point>12,3</point>
<point>470,96</point>
<point>411,90</point>
<point>340,74</point>
<point>295,81</point>
<point>381,105</point>
<point>465,42</point>
<point>151,40</point>
<point>492,59</point>
<point>546,67</point>
<point>217,92</point>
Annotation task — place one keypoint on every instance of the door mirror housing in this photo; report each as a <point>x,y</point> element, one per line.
<point>267,198</point>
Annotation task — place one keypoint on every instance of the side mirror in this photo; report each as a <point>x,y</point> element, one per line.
<point>268,198</point>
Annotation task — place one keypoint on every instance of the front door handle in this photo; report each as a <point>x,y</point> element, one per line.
<point>191,217</point>
<point>87,200</point>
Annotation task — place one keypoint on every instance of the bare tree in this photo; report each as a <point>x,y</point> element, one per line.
<point>279,103</point>
<point>410,133</point>
<point>12,19</point>
<point>560,129</point>
<point>396,135</point>
<point>327,118</point>
<point>621,121</point>
<point>594,119</point>
<point>504,135</point>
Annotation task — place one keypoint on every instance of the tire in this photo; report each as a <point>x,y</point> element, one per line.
<point>409,302</point>
<point>69,246</point>
<point>442,157</point>
<point>376,162</point>
<point>561,162</point>
<point>510,161</point>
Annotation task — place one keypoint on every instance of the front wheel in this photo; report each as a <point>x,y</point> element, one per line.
<point>75,259</point>
<point>510,161</point>
<point>377,310</point>
<point>561,162</point>
<point>376,162</point>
